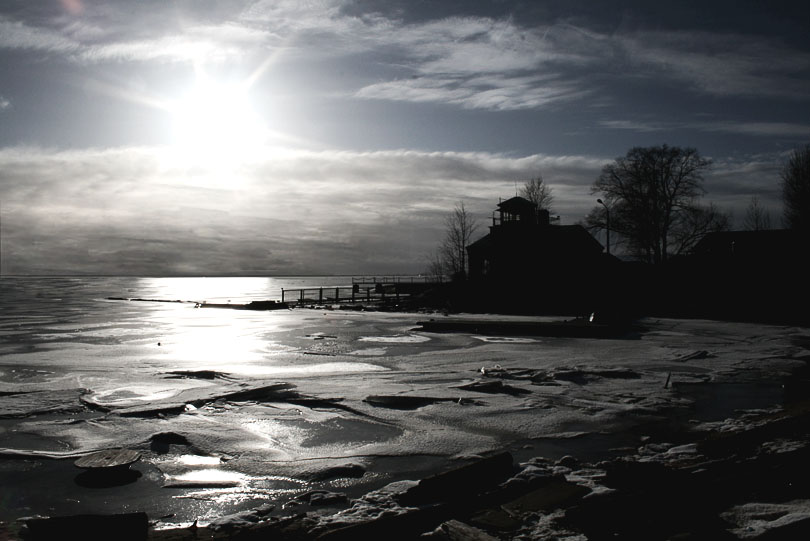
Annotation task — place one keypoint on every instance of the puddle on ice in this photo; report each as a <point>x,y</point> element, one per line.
<point>506,339</point>
<point>206,478</point>
<point>397,339</point>
<point>113,396</point>
<point>370,352</point>
<point>197,460</point>
<point>227,490</point>
<point>313,369</point>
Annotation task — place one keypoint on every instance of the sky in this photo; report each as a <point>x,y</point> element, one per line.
<point>291,137</point>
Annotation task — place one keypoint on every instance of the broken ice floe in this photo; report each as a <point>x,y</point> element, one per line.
<point>396,339</point>
<point>24,404</point>
<point>506,339</point>
<point>762,520</point>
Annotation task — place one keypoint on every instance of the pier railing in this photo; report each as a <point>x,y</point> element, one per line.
<point>367,289</point>
<point>399,279</point>
<point>352,294</point>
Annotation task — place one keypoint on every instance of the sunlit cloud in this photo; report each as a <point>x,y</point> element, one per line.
<point>473,62</point>
<point>129,208</point>
<point>209,43</point>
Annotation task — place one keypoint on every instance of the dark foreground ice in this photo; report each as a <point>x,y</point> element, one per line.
<point>310,409</point>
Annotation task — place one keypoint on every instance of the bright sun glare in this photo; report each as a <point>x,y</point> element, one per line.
<point>215,127</point>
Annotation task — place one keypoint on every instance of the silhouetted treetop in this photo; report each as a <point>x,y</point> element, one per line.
<point>651,194</point>
<point>796,189</point>
<point>756,217</point>
<point>538,192</point>
<point>460,226</point>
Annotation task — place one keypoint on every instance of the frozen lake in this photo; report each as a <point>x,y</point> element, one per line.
<point>233,408</point>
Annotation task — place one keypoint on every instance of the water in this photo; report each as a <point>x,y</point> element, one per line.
<point>41,310</point>
<point>57,332</point>
<point>62,338</point>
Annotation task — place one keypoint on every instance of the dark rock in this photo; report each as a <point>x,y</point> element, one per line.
<point>198,374</point>
<point>496,519</point>
<point>162,441</point>
<point>460,483</point>
<point>568,462</point>
<point>277,392</point>
<point>242,519</point>
<point>169,437</point>
<point>266,305</point>
<point>123,527</point>
<point>494,386</point>
<point>404,526</point>
<point>348,470</point>
<point>322,497</point>
<point>555,495</point>
<point>453,530</point>
<point>404,402</point>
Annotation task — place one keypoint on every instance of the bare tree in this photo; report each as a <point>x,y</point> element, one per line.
<point>538,192</point>
<point>651,193</point>
<point>796,189</point>
<point>756,217</point>
<point>693,224</point>
<point>459,229</point>
<point>436,267</point>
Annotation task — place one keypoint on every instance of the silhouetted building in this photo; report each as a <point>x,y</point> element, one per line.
<point>757,275</point>
<point>556,264</point>
<point>768,246</point>
<point>522,243</point>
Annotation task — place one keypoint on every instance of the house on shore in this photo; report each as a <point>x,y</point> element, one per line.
<point>554,265</point>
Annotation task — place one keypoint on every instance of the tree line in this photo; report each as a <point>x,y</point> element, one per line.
<point>651,203</point>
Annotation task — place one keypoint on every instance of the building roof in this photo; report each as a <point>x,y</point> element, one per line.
<point>558,238</point>
<point>516,205</point>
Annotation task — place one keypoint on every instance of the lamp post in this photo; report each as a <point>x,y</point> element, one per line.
<point>607,224</point>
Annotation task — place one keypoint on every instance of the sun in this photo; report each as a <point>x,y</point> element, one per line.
<point>214,125</point>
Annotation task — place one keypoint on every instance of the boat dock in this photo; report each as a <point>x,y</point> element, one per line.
<point>364,289</point>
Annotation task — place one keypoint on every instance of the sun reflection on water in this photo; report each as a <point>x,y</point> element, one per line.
<point>212,289</point>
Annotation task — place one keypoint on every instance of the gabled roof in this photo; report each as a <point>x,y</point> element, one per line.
<point>558,238</point>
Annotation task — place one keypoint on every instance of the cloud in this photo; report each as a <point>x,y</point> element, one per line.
<point>632,125</point>
<point>473,62</point>
<point>18,35</point>
<point>293,211</point>
<point>492,93</point>
<point>481,63</point>
<point>132,210</point>
<point>4,103</point>
<point>767,129</point>
<point>757,129</point>
<point>722,64</point>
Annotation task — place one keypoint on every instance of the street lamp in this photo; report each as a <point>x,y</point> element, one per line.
<point>607,224</point>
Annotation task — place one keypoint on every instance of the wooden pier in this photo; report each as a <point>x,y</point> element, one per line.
<point>364,289</point>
